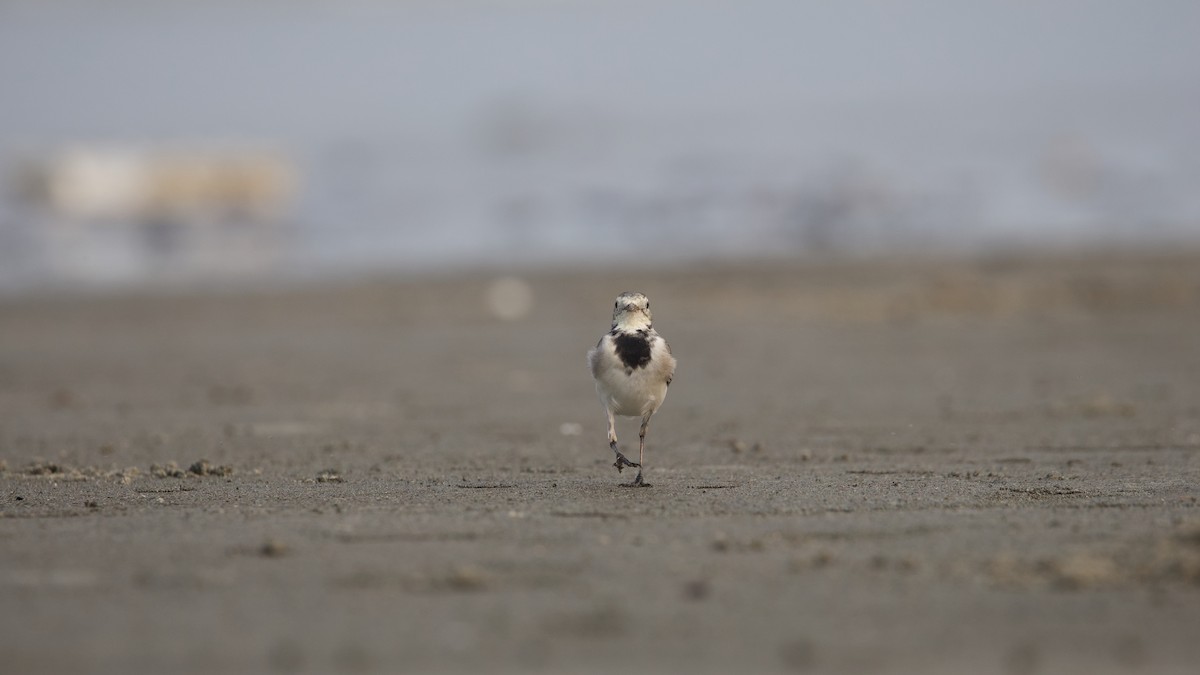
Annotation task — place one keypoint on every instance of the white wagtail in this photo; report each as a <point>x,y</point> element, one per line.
<point>632,367</point>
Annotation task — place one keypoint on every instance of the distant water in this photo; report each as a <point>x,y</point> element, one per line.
<point>507,133</point>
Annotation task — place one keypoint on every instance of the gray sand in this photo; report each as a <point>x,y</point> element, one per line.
<point>914,467</point>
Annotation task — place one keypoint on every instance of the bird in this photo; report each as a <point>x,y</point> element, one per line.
<point>633,368</point>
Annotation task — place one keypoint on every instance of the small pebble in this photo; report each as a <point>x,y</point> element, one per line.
<point>273,548</point>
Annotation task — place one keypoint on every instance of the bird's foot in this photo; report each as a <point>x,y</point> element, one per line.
<point>637,482</point>
<point>623,461</point>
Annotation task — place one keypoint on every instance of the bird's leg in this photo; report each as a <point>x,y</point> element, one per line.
<point>638,482</point>
<point>622,460</point>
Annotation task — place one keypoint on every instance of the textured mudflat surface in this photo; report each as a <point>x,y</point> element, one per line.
<point>914,467</point>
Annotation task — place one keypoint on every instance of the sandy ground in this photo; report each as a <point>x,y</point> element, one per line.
<point>979,466</point>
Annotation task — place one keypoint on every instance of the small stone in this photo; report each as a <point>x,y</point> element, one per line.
<point>273,548</point>
<point>168,470</point>
<point>466,578</point>
<point>44,468</point>
<point>204,468</point>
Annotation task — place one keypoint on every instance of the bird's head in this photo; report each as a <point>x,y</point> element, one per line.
<point>631,311</point>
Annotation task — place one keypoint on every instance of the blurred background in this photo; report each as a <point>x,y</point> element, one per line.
<point>170,142</point>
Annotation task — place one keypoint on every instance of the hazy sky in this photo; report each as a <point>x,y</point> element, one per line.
<point>325,69</point>
<point>952,109</point>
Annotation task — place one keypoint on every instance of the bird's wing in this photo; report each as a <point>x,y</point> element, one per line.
<point>595,357</point>
<point>668,365</point>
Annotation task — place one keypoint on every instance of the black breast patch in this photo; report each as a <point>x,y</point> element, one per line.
<point>632,349</point>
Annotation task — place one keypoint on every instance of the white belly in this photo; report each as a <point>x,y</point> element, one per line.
<point>635,395</point>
